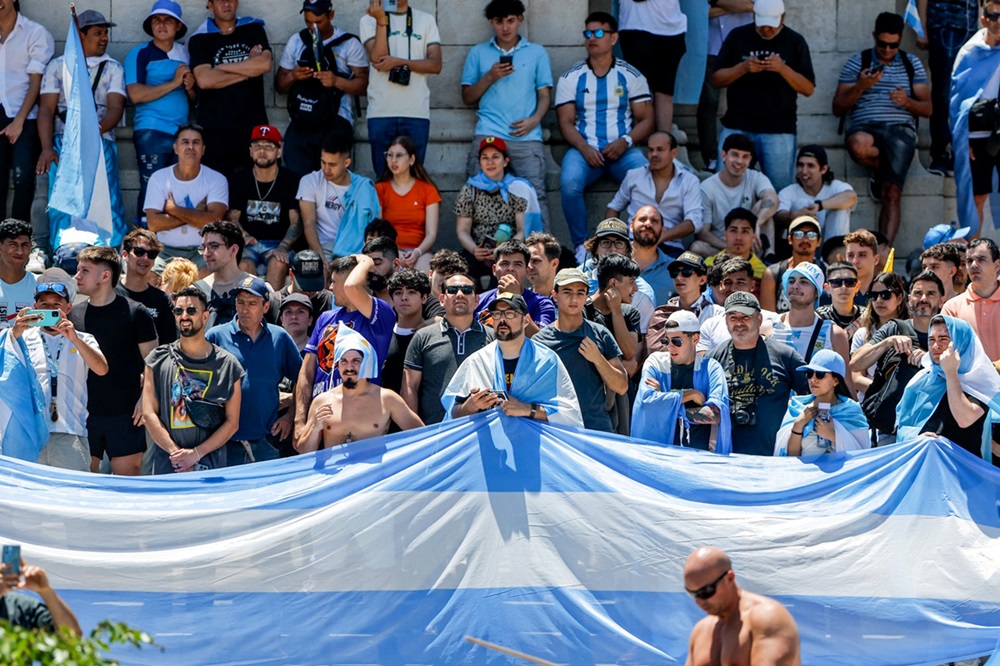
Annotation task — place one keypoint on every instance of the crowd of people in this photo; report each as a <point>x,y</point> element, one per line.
<point>266,300</point>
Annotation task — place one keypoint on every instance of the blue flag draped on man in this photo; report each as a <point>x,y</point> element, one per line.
<point>81,189</point>
<point>23,429</point>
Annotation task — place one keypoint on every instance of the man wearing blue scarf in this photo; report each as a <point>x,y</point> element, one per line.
<point>975,76</point>
<point>682,395</point>
<point>229,58</point>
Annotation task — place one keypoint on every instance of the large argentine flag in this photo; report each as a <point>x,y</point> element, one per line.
<point>81,187</point>
<point>558,543</point>
<point>23,426</point>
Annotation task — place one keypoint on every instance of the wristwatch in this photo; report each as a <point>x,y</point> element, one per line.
<point>819,202</point>
<point>628,140</point>
<point>534,410</point>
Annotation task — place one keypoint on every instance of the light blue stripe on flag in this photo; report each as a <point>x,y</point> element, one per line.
<point>81,187</point>
<point>912,18</point>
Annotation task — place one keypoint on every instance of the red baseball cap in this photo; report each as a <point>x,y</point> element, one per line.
<point>493,142</point>
<point>267,133</point>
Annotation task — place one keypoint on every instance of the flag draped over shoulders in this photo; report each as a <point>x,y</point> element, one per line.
<point>846,416</point>
<point>23,428</point>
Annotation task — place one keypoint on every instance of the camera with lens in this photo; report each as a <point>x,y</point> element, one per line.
<point>400,75</point>
<point>742,416</point>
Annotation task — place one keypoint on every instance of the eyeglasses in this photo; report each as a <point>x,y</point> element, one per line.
<point>887,45</point>
<point>190,310</point>
<point>506,314</point>
<point>54,287</point>
<point>837,283</point>
<point>210,247</point>
<point>263,145</point>
<point>600,32</point>
<point>466,289</point>
<point>991,16</point>
<point>884,294</point>
<point>799,235</point>
<point>143,252</point>
<point>676,342</point>
<point>607,244</point>
<point>396,156</point>
<point>686,272</point>
<point>707,591</point>
<point>818,374</point>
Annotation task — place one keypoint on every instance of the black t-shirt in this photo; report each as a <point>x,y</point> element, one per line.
<point>263,206</point>
<point>322,302</point>
<point>119,328</point>
<point>509,365</point>
<point>433,308</point>
<point>943,423</point>
<point>682,377</point>
<point>160,308</point>
<point>763,102</point>
<point>392,369</point>
<point>238,105</point>
<point>22,610</point>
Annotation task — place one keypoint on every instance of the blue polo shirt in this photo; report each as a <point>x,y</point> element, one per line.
<point>266,360</point>
<point>541,308</point>
<point>513,97</point>
<point>659,278</point>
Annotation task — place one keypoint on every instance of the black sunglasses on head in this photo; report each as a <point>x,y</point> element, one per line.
<point>707,591</point>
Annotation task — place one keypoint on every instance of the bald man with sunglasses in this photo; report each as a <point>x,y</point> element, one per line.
<point>741,627</point>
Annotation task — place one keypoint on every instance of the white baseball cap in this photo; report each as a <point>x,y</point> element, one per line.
<point>768,13</point>
<point>687,322</point>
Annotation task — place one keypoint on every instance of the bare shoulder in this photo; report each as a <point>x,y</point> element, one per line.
<point>390,397</point>
<point>775,635</point>
<point>704,627</point>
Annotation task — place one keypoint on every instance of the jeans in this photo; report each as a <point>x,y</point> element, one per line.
<point>19,158</point>
<point>153,150</point>
<point>301,147</point>
<point>577,174</point>
<point>236,453</point>
<point>381,132</point>
<point>774,152</point>
<point>708,116</point>
<point>943,45</point>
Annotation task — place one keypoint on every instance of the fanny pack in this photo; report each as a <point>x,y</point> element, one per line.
<point>205,414</point>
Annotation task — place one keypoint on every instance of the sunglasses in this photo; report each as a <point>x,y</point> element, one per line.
<point>600,32</point>
<point>991,16</point>
<point>884,294</point>
<point>676,342</point>
<point>707,591</point>
<point>886,45</point>
<point>190,310</point>
<point>466,289</point>
<point>818,374</point>
<point>143,252</point>
<point>799,235</point>
<point>54,287</point>
<point>686,272</point>
<point>837,283</point>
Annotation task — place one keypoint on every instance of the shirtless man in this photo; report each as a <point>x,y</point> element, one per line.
<point>356,409</point>
<point>741,627</point>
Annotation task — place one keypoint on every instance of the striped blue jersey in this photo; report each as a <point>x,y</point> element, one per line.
<point>603,103</point>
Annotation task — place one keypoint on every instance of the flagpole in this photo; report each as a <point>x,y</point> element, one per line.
<point>72,11</point>
<point>508,651</point>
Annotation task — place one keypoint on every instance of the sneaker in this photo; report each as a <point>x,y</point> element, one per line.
<point>581,255</point>
<point>37,261</point>
<point>875,189</point>
<point>941,166</point>
<point>712,166</point>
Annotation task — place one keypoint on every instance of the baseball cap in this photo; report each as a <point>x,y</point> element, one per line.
<point>266,133</point>
<point>494,142</point>
<point>688,260</point>
<point>743,302</point>
<point>165,8</point>
<point>296,297</point>
<point>686,322</point>
<point>515,301</point>
<point>809,271</point>
<point>316,7</point>
<point>612,227</point>
<point>571,276</point>
<point>804,219</point>
<point>307,268</point>
<point>943,233</point>
<point>50,281</point>
<point>826,360</point>
<point>90,17</point>
<point>254,285</point>
<point>768,13</point>
<point>816,152</point>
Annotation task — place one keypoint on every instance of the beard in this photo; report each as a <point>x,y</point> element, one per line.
<point>265,162</point>
<point>646,239</point>
<point>189,332</point>
<point>508,334</point>
<point>350,383</point>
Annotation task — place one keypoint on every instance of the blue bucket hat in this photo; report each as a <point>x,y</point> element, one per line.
<point>165,8</point>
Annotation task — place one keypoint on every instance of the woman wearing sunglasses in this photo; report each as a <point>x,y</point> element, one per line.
<point>827,420</point>
<point>886,300</point>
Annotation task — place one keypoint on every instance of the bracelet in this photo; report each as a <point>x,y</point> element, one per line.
<point>797,433</point>
<point>534,410</point>
<point>384,25</point>
<point>196,451</point>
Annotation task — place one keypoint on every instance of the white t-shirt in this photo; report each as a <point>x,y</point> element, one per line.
<point>714,331</point>
<point>16,297</point>
<point>391,100</point>
<point>329,200</point>
<point>208,184</point>
<point>717,199</point>
<point>349,54</point>
<point>663,17</point>
<point>71,394</point>
<point>800,337</point>
<point>794,197</point>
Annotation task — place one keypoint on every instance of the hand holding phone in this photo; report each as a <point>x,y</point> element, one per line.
<point>507,60</point>
<point>12,559</point>
<point>46,318</point>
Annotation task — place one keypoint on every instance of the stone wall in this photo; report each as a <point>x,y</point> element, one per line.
<point>835,29</point>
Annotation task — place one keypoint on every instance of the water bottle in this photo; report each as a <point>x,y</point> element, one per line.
<point>503,233</point>
<point>823,413</point>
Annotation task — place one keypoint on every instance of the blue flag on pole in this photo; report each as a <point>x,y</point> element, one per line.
<point>81,188</point>
<point>23,427</point>
<point>912,18</point>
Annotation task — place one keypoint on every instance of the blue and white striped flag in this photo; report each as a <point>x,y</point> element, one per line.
<point>23,426</point>
<point>81,187</point>
<point>557,542</point>
<point>912,18</point>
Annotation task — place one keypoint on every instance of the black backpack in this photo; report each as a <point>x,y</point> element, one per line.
<point>892,373</point>
<point>311,105</point>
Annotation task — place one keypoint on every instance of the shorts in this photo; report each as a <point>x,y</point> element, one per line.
<point>66,451</point>
<point>168,253</point>
<point>258,250</point>
<point>114,435</point>
<point>896,145</point>
<point>982,167</point>
<point>657,57</point>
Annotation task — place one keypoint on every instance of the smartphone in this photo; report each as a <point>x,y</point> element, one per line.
<point>303,63</point>
<point>506,60</point>
<point>390,5</point>
<point>500,394</point>
<point>876,68</point>
<point>48,319</point>
<point>12,558</point>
